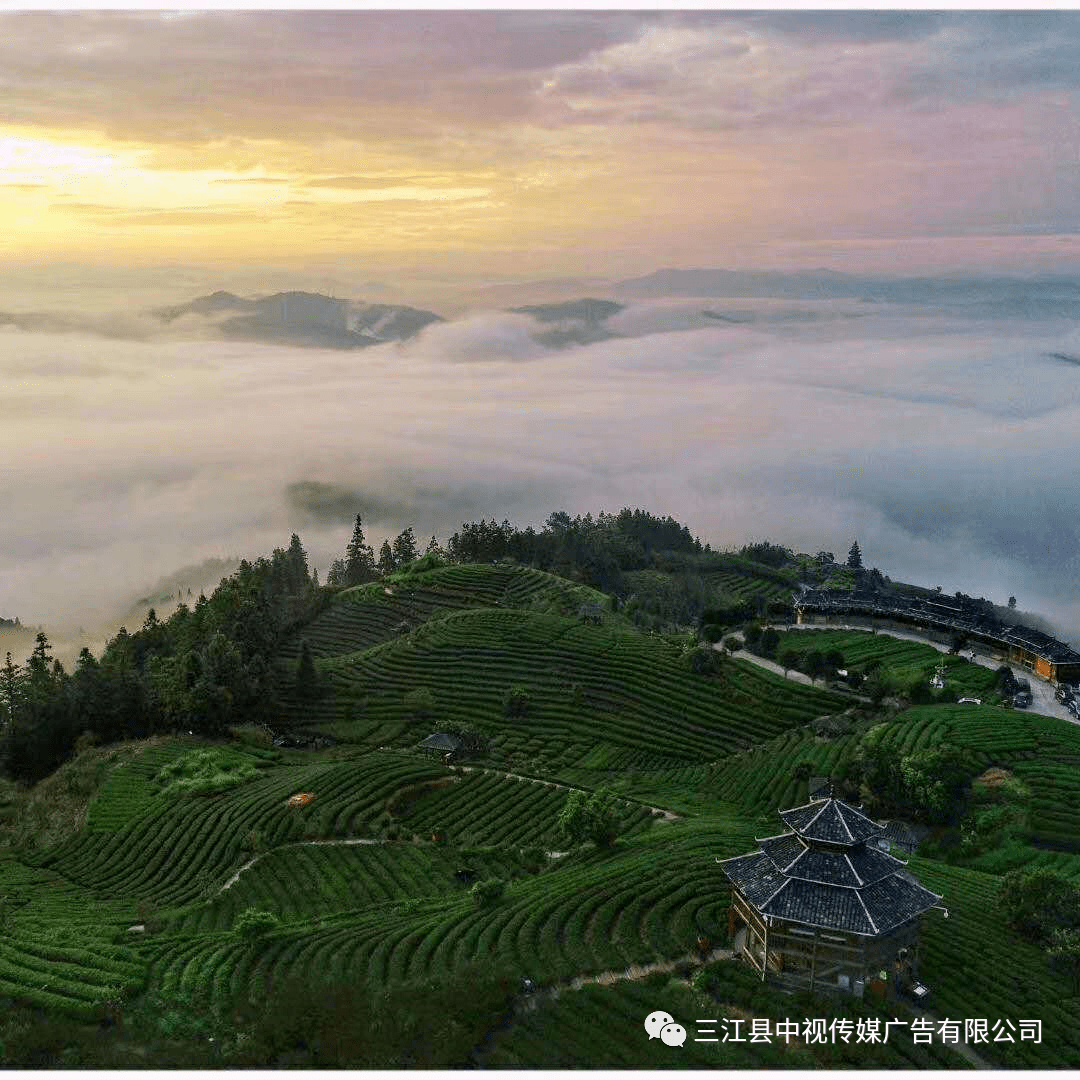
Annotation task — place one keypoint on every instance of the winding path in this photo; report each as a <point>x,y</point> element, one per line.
<point>669,815</point>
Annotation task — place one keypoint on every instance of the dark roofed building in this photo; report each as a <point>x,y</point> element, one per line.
<point>971,620</point>
<point>901,834</point>
<point>822,905</point>
<point>441,743</point>
<point>591,613</point>
<point>819,787</point>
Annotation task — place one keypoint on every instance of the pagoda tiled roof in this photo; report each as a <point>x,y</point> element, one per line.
<point>854,868</point>
<point>824,875</point>
<point>830,821</point>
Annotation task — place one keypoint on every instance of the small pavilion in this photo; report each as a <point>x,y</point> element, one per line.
<point>822,906</point>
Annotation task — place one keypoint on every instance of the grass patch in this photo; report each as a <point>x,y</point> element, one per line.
<point>207,771</point>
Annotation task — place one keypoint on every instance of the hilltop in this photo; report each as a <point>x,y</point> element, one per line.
<point>303,318</point>
<point>232,896</point>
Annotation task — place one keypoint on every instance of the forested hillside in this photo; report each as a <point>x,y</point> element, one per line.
<point>222,845</point>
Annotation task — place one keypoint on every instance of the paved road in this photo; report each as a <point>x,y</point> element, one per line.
<point>795,676</point>
<point>1042,692</point>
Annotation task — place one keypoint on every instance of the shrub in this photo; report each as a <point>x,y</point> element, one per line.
<point>252,924</point>
<point>587,816</point>
<point>430,561</point>
<point>1038,902</point>
<point>420,702</point>
<point>487,892</point>
<point>703,660</point>
<point>516,701</point>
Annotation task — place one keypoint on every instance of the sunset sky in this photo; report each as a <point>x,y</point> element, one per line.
<point>474,162</point>
<point>498,145</point>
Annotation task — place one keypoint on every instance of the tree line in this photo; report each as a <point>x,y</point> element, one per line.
<point>203,669</point>
<point>208,666</point>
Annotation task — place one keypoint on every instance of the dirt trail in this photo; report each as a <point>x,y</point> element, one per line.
<point>531,1002</point>
<point>669,815</point>
<point>365,841</point>
<point>303,843</point>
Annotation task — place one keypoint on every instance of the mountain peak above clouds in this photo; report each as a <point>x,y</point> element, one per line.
<point>304,318</point>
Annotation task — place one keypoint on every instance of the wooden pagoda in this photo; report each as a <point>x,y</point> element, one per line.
<point>819,907</point>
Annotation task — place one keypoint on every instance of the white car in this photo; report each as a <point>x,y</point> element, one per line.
<point>970,701</point>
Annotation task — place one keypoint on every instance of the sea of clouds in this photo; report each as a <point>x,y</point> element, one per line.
<point>946,445</point>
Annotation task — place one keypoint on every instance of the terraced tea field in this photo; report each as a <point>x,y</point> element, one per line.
<point>652,897</point>
<point>369,614</point>
<point>488,808</point>
<point>763,780</point>
<point>370,880</point>
<point>180,849</point>
<point>605,1025</point>
<point>1042,751</point>
<point>585,686</point>
<point>978,968</point>
<point>741,582</point>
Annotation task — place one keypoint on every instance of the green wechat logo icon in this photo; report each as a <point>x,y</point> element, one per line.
<point>662,1026</point>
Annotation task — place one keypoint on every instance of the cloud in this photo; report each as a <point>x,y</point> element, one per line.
<point>253,180</point>
<point>944,447</point>
<point>362,183</point>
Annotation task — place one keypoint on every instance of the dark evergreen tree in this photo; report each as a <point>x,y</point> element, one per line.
<point>296,565</point>
<point>854,557</point>
<point>11,679</point>
<point>405,549</point>
<point>359,558</point>
<point>386,564</point>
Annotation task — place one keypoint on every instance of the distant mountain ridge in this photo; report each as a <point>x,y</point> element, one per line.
<point>304,318</point>
<point>1045,295</point>
<point>572,322</point>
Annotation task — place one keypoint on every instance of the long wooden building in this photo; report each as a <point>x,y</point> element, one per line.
<point>822,906</point>
<point>942,618</point>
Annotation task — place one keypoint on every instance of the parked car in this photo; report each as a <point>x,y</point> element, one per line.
<point>1022,699</point>
<point>970,701</point>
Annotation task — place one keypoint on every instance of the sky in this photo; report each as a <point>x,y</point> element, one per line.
<point>473,161</point>
<point>481,146</point>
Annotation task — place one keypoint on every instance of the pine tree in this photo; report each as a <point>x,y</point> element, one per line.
<point>10,690</point>
<point>854,557</point>
<point>433,546</point>
<point>359,558</point>
<point>405,549</point>
<point>386,558</point>
<point>296,564</point>
<point>39,664</point>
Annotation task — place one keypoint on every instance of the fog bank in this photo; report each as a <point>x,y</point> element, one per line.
<point>945,447</point>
